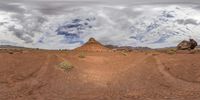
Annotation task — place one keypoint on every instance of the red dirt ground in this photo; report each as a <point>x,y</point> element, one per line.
<point>35,75</point>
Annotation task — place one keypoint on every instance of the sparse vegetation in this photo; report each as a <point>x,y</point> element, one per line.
<point>171,51</point>
<point>124,53</point>
<point>194,51</point>
<point>81,55</point>
<point>65,66</point>
<point>155,54</point>
<point>10,52</point>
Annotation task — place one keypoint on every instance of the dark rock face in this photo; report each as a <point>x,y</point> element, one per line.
<point>184,45</point>
<point>193,43</point>
<point>187,45</point>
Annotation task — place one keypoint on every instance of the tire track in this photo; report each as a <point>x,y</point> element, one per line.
<point>63,59</point>
<point>44,68</point>
<point>178,83</point>
<point>33,83</point>
<point>135,63</point>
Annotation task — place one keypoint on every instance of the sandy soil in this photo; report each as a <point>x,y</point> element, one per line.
<point>35,75</point>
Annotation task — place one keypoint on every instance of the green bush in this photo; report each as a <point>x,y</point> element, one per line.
<point>66,66</point>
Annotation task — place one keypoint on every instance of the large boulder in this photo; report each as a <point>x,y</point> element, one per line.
<point>187,45</point>
<point>184,45</point>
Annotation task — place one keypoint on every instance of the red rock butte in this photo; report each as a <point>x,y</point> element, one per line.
<point>92,45</point>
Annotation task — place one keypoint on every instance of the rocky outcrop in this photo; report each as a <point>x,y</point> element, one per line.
<point>92,45</point>
<point>193,43</point>
<point>187,45</point>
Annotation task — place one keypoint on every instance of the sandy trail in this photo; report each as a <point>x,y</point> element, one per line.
<point>44,68</point>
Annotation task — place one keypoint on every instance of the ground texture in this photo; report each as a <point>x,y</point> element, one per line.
<point>35,75</point>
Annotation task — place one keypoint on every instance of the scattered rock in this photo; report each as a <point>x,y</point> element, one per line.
<point>10,52</point>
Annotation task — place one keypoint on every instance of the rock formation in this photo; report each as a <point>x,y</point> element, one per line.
<point>187,45</point>
<point>193,43</point>
<point>92,45</point>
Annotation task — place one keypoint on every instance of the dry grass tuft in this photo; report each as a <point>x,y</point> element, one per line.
<point>66,66</point>
<point>171,51</point>
<point>124,53</point>
<point>82,55</point>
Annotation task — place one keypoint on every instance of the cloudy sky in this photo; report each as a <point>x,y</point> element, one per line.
<point>59,24</point>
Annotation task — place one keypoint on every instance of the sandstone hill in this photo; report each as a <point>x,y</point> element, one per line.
<point>92,45</point>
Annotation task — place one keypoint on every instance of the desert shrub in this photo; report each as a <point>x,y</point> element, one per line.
<point>65,66</point>
<point>10,52</point>
<point>171,51</point>
<point>37,49</point>
<point>155,54</point>
<point>81,55</point>
<point>124,53</point>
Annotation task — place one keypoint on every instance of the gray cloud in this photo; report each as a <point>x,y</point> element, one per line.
<point>3,23</point>
<point>197,7</point>
<point>30,26</point>
<point>112,1</point>
<point>60,7</point>
<point>20,34</point>
<point>31,23</point>
<point>53,7</point>
<point>9,7</point>
<point>188,21</point>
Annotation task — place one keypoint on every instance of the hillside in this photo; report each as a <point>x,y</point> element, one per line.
<point>92,45</point>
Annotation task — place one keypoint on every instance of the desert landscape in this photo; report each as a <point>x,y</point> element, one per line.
<point>99,50</point>
<point>95,72</point>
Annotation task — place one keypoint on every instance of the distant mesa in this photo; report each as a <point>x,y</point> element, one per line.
<point>92,45</point>
<point>126,48</point>
<point>187,45</point>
